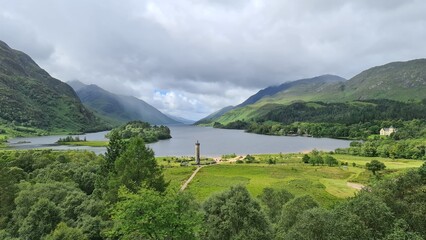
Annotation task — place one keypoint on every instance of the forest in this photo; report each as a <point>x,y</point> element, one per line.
<point>353,120</point>
<point>124,195</point>
<point>360,120</point>
<point>149,133</point>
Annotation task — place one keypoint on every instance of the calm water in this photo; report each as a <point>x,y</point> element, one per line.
<point>214,142</point>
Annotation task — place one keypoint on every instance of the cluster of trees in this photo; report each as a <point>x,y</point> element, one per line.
<point>71,139</point>
<point>406,129</point>
<point>315,158</point>
<point>388,148</point>
<point>144,130</point>
<point>123,195</point>
<point>45,193</point>
<point>353,120</point>
<point>345,113</point>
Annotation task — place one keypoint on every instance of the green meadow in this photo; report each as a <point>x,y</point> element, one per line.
<point>328,185</point>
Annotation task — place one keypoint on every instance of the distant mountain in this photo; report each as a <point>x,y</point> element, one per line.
<point>214,115</point>
<point>31,98</point>
<point>181,119</point>
<point>400,81</point>
<point>304,85</point>
<point>294,89</point>
<point>119,107</point>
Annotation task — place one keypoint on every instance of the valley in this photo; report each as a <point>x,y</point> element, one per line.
<point>112,156</point>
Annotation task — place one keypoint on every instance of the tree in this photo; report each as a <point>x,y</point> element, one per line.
<point>375,166</point>
<point>372,211</point>
<point>316,160</point>
<point>312,224</point>
<point>233,214</point>
<point>150,214</point>
<point>401,230</point>
<point>346,225</point>
<point>291,211</point>
<point>330,161</point>
<point>41,220</point>
<point>64,232</point>
<point>137,167</point>
<point>274,200</point>
<point>305,158</point>
<point>422,172</point>
<point>115,147</point>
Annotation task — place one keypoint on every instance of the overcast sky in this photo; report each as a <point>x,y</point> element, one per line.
<point>192,57</point>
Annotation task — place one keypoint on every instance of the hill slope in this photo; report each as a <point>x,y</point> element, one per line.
<point>401,81</point>
<point>31,98</point>
<point>215,115</point>
<point>309,85</point>
<point>119,107</point>
<point>293,90</point>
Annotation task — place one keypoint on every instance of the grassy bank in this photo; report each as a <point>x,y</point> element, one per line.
<point>327,185</point>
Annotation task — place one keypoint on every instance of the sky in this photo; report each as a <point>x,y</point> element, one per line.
<point>190,58</point>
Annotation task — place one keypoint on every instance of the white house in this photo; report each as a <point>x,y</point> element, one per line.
<point>387,131</point>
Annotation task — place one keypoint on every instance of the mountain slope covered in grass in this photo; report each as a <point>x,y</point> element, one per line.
<point>119,107</point>
<point>400,81</point>
<point>31,99</point>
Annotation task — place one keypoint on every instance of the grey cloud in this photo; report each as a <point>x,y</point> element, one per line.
<point>206,47</point>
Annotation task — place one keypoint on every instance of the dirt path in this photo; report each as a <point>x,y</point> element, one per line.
<point>190,178</point>
<point>355,185</point>
<point>217,160</point>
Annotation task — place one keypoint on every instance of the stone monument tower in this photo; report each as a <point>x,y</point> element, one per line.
<point>197,153</point>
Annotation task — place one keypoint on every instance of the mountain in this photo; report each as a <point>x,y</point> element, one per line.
<point>249,109</point>
<point>215,115</point>
<point>119,107</point>
<point>400,81</point>
<point>305,85</point>
<point>181,119</point>
<point>31,98</point>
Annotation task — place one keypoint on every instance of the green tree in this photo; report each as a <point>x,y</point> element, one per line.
<point>401,230</point>
<point>316,160</point>
<point>291,210</point>
<point>41,220</point>
<point>136,167</point>
<point>64,232</point>
<point>346,225</point>
<point>422,172</point>
<point>373,212</point>
<point>150,214</point>
<point>274,200</point>
<point>330,161</point>
<point>375,166</point>
<point>311,224</point>
<point>115,148</point>
<point>233,214</point>
<point>9,177</point>
<point>306,158</point>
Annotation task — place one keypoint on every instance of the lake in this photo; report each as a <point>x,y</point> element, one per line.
<point>214,142</point>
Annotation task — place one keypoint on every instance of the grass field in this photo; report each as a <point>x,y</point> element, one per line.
<point>87,143</point>
<point>328,185</point>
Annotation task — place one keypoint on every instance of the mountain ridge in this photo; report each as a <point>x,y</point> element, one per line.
<point>31,98</point>
<point>400,81</point>
<point>119,107</point>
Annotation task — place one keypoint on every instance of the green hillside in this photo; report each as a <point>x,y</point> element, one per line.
<point>32,100</point>
<point>119,108</point>
<point>400,81</point>
<point>403,81</point>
